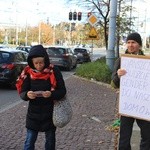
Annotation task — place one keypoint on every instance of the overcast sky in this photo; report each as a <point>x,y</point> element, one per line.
<point>32,11</point>
<point>143,16</point>
<point>56,11</point>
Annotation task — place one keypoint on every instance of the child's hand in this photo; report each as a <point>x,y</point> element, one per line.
<point>46,94</point>
<point>31,94</point>
<point>121,72</point>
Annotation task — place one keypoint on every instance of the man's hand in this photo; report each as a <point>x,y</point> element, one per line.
<point>121,72</point>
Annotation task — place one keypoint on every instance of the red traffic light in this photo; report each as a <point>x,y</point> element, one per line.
<point>79,16</point>
<point>89,14</point>
<point>70,15</point>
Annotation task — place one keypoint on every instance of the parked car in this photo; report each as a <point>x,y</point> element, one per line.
<point>12,62</point>
<point>24,48</point>
<point>3,46</point>
<point>83,55</point>
<point>62,57</point>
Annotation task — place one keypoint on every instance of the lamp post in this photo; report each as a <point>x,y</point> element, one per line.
<point>16,34</point>
<point>130,15</point>
<point>39,26</point>
<point>26,37</point>
<point>118,30</point>
<point>54,35</point>
<point>39,32</point>
<point>110,55</point>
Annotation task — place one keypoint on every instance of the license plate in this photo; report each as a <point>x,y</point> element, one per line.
<point>55,59</point>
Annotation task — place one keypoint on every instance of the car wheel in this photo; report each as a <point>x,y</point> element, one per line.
<point>69,67</point>
<point>13,85</point>
<point>75,65</point>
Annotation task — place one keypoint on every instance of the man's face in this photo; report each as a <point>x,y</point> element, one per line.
<point>133,47</point>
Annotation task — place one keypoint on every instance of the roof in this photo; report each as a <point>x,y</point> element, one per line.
<point>10,50</point>
<point>55,46</point>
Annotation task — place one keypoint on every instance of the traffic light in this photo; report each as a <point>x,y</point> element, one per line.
<point>74,16</point>
<point>89,14</point>
<point>70,15</point>
<point>79,16</point>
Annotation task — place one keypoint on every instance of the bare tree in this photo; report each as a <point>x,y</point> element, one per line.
<point>101,9</point>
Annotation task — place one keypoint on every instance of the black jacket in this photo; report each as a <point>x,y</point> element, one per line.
<point>39,114</point>
<point>115,78</point>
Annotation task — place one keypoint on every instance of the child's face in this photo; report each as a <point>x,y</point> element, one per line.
<point>38,63</point>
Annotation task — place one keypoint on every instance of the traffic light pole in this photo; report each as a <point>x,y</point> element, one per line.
<point>92,49</point>
<point>70,34</point>
<point>73,16</point>
<point>92,46</point>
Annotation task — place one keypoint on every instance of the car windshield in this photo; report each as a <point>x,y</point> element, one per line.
<point>24,48</point>
<point>4,56</point>
<point>56,51</point>
<point>78,50</point>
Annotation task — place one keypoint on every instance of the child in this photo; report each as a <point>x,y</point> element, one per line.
<point>40,83</point>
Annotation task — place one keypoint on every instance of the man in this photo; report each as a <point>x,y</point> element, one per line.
<point>134,44</point>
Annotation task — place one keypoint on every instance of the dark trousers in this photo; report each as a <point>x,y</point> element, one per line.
<point>126,128</point>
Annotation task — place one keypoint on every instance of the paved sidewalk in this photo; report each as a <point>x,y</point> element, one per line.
<point>94,107</point>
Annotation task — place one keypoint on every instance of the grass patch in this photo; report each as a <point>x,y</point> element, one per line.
<point>97,70</point>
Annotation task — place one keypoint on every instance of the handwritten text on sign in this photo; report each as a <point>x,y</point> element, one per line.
<point>135,87</point>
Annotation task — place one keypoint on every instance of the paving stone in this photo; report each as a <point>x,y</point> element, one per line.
<point>88,99</point>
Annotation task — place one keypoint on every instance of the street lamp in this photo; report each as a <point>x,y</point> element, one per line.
<point>130,15</point>
<point>26,37</point>
<point>39,13</point>
<point>39,32</point>
<point>54,35</point>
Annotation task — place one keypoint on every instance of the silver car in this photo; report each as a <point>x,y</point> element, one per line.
<point>62,57</point>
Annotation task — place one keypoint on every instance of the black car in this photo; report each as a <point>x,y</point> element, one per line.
<point>12,62</point>
<point>62,57</point>
<point>83,55</point>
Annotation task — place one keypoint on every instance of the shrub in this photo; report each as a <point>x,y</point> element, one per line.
<point>97,70</point>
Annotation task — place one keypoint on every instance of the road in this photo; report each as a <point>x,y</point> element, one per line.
<point>98,52</point>
<point>10,98</point>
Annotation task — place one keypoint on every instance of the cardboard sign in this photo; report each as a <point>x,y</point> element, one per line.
<point>134,98</point>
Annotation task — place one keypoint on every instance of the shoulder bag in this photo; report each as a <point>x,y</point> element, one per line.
<point>62,112</point>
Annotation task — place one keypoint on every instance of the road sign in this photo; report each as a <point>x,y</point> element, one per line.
<point>93,34</point>
<point>92,19</point>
